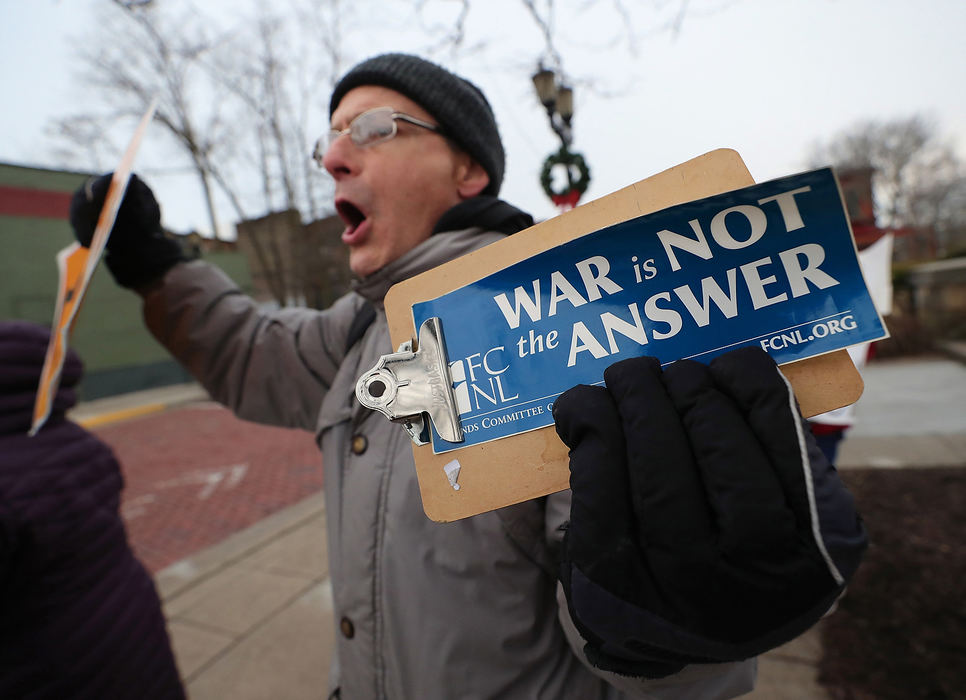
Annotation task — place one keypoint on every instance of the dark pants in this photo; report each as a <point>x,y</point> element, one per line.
<point>829,444</point>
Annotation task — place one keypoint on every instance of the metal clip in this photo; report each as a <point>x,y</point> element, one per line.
<point>408,383</point>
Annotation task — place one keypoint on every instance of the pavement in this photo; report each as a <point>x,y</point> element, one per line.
<point>251,616</point>
<point>195,474</point>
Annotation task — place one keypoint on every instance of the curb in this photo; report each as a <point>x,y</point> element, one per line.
<point>176,578</point>
<point>953,349</point>
<point>114,409</point>
<point>103,419</point>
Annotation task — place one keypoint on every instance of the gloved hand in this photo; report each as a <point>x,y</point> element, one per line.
<point>137,251</point>
<point>705,525</point>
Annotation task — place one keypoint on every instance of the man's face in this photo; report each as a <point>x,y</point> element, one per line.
<point>391,194</point>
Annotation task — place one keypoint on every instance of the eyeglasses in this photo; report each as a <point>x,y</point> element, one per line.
<point>368,129</point>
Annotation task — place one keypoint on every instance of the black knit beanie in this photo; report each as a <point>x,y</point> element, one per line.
<point>23,348</point>
<point>457,104</point>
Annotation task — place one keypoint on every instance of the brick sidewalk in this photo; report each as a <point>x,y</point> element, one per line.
<point>196,474</point>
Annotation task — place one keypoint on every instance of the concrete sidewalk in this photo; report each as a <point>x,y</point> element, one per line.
<point>251,617</point>
<point>911,414</point>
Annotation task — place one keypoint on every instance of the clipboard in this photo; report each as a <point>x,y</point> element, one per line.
<point>536,463</point>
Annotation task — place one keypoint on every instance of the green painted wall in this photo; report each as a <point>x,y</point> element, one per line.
<point>40,178</point>
<point>119,354</point>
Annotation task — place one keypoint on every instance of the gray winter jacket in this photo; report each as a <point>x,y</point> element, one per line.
<point>423,610</point>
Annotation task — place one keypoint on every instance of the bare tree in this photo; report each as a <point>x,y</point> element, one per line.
<point>276,82</point>
<point>936,202</point>
<point>234,99</point>
<point>275,69</point>
<point>236,96</point>
<point>918,179</point>
<point>149,56</point>
<point>559,26</point>
<point>81,138</point>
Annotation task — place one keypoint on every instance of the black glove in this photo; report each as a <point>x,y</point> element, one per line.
<point>138,252</point>
<point>705,526</point>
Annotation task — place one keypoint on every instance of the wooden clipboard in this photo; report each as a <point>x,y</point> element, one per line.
<point>533,464</point>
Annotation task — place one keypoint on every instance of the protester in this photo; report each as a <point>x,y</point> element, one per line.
<point>875,260</point>
<point>79,614</point>
<point>664,586</point>
<point>830,428</point>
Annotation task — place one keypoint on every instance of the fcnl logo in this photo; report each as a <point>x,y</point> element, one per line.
<point>479,380</point>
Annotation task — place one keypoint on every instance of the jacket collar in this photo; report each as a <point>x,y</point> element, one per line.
<point>432,252</point>
<point>487,212</point>
<point>469,225</point>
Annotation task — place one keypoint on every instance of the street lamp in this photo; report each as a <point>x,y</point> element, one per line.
<point>558,99</point>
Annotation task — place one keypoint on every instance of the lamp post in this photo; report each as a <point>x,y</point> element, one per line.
<point>558,99</point>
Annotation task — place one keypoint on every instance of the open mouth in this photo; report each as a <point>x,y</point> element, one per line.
<point>350,214</point>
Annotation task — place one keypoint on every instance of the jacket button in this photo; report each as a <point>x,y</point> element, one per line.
<point>348,629</point>
<point>359,444</point>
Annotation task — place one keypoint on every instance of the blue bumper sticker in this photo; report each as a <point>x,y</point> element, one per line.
<point>772,265</point>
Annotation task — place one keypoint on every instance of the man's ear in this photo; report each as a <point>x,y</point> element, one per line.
<point>471,178</point>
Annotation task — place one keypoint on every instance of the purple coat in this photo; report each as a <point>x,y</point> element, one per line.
<point>79,614</point>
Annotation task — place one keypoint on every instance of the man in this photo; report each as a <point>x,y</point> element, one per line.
<point>474,608</point>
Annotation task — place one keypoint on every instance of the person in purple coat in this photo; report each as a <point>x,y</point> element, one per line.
<point>79,614</point>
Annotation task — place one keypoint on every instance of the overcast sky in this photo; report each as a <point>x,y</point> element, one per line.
<point>766,77</point>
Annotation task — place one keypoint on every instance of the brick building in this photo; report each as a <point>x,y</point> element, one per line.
<point>118,353</point>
